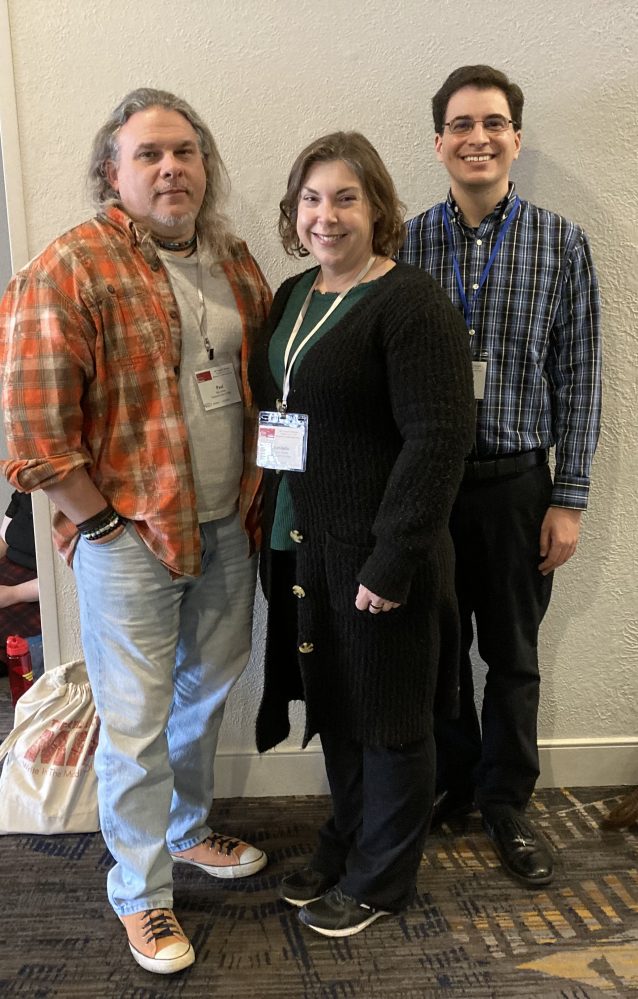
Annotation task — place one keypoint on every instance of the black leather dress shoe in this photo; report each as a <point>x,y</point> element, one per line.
<point>521,849</point>
<point>451,805</point>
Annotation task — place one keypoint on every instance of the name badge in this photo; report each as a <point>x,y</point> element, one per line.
<point>282,441</point>
<point>217,386</point>
<point>479,373</point>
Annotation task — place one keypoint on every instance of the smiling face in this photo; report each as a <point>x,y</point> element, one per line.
<point>334,218</point>
<point>478,163</point>
<point>159,173</point>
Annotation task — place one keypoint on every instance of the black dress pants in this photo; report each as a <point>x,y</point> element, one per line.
<point>495,526</point>
<point>382,799</point>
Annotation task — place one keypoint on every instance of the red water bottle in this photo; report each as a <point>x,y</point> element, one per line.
<point>19,666</point>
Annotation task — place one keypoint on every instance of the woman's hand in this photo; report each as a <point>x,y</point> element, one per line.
<point>367,600</point>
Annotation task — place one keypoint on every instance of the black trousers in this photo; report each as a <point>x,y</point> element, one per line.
<point>496,525</point>
<point>382,800</point>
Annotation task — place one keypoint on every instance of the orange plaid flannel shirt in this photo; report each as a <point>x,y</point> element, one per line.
<point>90,378</point>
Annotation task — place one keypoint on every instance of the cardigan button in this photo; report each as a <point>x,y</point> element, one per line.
<point>306,647</point>
<point>296,536</point>
<point>298,591</point>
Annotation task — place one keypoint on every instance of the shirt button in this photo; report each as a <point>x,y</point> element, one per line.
<point>474,286</point>
<point>155,266</point>
<point>306,647</point>
<point>296,536</point>
<point>173,314</point>
<point>110,289</point>
<point>471,332</point>
<point>298,591</point>
<point>479,242</point>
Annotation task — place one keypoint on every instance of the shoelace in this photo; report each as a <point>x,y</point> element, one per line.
<point>160,925</point>
<point>340,898</point>
<point>222,844</point>
<point>520,833</point>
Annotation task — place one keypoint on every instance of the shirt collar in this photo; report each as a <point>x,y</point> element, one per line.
<point>118,218</point>
<point>500,211</point>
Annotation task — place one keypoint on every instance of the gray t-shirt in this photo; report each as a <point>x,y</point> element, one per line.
<point>215,436</point>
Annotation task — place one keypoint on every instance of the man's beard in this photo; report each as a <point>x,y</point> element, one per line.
<point>173,221</point>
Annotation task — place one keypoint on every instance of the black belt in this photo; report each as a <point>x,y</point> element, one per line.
<point>509,464</point>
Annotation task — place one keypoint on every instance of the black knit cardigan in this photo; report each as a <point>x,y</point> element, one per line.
<point>388,393</point>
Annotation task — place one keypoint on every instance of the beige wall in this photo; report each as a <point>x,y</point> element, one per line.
<point>5,274</point>
<point>269,76</point>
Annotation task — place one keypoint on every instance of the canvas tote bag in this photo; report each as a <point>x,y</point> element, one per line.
<point>48,783</point>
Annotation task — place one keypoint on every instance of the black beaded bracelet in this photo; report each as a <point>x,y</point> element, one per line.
<point>107,528</point>
<point>97,521</point>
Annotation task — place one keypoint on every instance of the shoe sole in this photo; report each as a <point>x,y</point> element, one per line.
<point>168,967</point>
<point>231,872</point>
<point>349,931</point>
<point>299,902</point>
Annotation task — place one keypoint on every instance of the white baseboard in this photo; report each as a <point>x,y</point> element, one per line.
<point>564,763</point>
<point>588,762</point>
<point>280,772</point>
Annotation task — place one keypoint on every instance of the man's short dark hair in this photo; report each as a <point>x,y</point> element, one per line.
<point>483,78</point>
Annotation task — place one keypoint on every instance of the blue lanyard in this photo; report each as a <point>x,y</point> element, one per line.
<point>468,306</point>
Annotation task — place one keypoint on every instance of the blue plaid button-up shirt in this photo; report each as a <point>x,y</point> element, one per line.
<point>537,323</point>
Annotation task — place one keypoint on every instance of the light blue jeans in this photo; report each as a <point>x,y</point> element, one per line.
<point>162,655</point>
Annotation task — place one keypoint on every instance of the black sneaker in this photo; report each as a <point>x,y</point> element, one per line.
<point>303,886</point>
<point>338,915</point>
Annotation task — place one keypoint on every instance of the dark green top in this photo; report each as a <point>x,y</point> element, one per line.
<point>317,307</point>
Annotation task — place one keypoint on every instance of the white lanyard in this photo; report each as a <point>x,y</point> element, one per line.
<point>289,361</point>
<point>202,318</point>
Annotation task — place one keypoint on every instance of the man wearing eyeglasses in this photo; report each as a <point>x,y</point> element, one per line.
<point>524,279</point>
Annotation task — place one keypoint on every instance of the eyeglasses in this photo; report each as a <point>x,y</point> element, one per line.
<point>493,123</point>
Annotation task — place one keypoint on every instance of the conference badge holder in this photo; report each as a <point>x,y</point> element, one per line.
<point>282,441</point>
<point>217,386</point>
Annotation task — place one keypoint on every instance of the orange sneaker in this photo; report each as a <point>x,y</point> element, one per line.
<point>223,857</point>
<point>157,941</point>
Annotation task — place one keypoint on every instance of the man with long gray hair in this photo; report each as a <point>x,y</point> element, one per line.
<point>124,349</point>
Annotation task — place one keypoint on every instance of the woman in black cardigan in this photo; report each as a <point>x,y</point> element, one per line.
<point>363,375</point>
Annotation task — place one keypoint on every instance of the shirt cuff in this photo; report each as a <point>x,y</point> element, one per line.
<point>40,473</point>
<point>570,493</point>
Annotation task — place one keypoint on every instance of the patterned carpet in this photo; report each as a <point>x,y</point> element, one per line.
<point>470,933</point>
